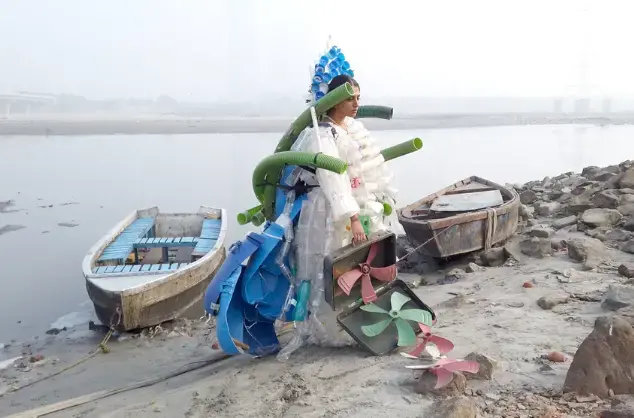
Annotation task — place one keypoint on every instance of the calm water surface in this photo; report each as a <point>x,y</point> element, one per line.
<point>106,177</point>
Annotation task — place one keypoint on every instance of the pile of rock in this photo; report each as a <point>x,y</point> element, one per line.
<point>599,202</point>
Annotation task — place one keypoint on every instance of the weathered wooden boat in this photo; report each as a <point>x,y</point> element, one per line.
<point>469,215</point>
<point>152,267</point>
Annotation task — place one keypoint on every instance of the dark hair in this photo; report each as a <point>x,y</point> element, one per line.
<point>341,80</point>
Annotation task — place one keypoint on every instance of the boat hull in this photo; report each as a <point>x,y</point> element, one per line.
<point>465,232</point>
<point>154,304</point>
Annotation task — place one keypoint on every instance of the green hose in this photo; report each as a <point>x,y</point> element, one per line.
<point>323,105</point>
<point>378,112</point>
<point>267,172</point>
<point>401,149</point>
<point>387,209</point>
<point>246,216</point>
<point>258,218</point>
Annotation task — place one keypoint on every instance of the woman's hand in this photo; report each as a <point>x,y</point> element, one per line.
<point>358,234</point>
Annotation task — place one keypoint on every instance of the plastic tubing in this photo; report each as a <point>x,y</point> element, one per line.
<point>246,216</point>
<point>266,173</point>
<point>378,112</point>
<point>401,149</point>
<point>258,219</point>
<point>323,105</point>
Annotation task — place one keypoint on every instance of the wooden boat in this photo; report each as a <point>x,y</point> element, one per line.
<point>153,266</point>
<point>469,215</point>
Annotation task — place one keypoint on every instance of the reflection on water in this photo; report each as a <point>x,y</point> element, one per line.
<point>106,177</point>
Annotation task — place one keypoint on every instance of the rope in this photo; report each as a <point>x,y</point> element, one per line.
<point>424,243</point>
<point>101,347</point>
<point>492,221</point>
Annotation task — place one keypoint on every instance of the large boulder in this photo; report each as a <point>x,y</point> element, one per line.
<point>604,361</point>
<point>536,247</point>
<point>589,251</point>
<point>627,181</point>
<point>597,217</point>
<point>606,199</point>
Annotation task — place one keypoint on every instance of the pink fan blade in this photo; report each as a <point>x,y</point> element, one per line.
<point>367,291</point>
<point>444,377</point>
<point>426,329</point>
<point>418,350</point>
<point>372,253</point>
<point>443,344</point>
<point>384,274</point>
<point>348,279</point>
<point>463,366</point>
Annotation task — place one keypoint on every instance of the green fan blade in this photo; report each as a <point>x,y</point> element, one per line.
<point>418,315</point>
<point>371,307</point>
<point>375,329</point>
<point>406,335</point>
<point>398,300</point>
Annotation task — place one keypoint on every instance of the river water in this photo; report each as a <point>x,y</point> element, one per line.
<point>92,182</point>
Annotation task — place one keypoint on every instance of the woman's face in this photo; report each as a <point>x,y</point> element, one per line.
<point>350,106</point>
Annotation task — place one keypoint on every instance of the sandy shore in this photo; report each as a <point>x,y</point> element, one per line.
<point>496,309</point>
<point>148,124</point>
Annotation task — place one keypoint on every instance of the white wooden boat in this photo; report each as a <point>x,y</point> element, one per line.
<point>153,266</point>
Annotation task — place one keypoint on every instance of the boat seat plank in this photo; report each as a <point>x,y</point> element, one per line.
<point>467,201</point>
<point>123,244</point>
<point>165,242</point>
<point>203,246</point>
<point>208,237</point>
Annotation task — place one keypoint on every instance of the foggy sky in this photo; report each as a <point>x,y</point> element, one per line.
<point>257,49</point>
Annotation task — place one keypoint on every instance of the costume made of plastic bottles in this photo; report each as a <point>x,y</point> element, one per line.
<point>324,221</point>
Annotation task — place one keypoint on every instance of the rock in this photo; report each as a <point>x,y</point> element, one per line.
<point>549,411</point>
<point>541,232</point>
<point>626,209</point>
<point>628,247</point>
<point>589,251</point>
<point>536,247</point>
<point>527,197</point>
<point>590,171</point>
<point>606,199</point>
<point>564,222</point>
<point>626,271</point>
<point>604,360</point>
<point>417,262</point>
<point>453,276</point>
<point>626,192</point>
<point>618,235</point>
<point>604,176</point>
<point>627,198</point>
<point>460,407</point>
<point>547,208</point>
<point>558,244</point>
<point>579,204</point>
<point>473,268</point>
<point>629,224</point>
<point>597,217</point>
<point>526,212</point>
<point>427,382</point>
<point>627,181</point>
<point>494,257</point>
<point>487,366</point>
<point>617,297</point>
<point>549,302</point>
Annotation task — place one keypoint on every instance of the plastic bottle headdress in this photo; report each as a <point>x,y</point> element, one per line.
<point>331,64</point>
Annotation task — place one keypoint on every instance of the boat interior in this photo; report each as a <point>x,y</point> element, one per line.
<point>468,195</point>
<point>158,243</point>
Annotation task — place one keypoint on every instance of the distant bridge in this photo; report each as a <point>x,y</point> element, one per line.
<point>24,100</point>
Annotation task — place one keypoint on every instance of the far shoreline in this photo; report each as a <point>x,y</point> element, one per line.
<point>69,125</point>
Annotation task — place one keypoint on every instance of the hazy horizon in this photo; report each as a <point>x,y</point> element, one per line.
<point>248,50</point>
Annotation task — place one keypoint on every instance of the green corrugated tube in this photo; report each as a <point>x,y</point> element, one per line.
<point>258,218</point>
<point>378,112</point>
<point>267,172</point>
<point>402,149</point>
<point>323,105</point>
<point>246,216</point>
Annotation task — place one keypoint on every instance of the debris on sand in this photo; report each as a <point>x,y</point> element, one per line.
<point>68,224</point>
<point>10,228</point>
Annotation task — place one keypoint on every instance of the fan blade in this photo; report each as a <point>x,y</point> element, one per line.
<point>418,350</point>
<point>384,274</point>
<point>406,335</point>
<point>433,351</point>
<point>371,307</point>
<point>373,250</point>
<point>443,344</point>
<point>444,377</point>
<point>425,328</point>
<point>417,315</point>
<point>367,291</point>
<point>348,279</point>
<point>375,329</point>
<point>398,300</point>
<point>463,366</point>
